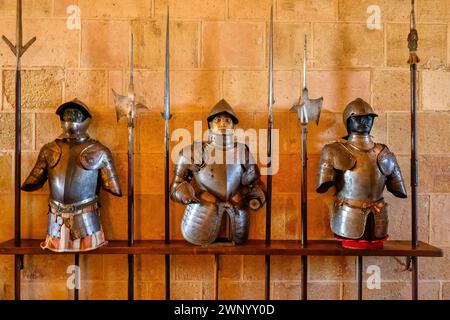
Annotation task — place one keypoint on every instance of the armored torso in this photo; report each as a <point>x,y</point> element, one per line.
<point>69,181</point>
<point>74,167</point>
<point>221,171</point>
<point>359,169</point>
<point>365,181</point>
<point>213,178</point>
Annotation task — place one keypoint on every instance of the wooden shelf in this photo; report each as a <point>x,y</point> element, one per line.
<point>252,247</point>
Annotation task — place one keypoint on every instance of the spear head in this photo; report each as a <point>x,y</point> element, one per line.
<point>166,114</point>
<point>126,106</point>
<point>307,109</point>
<point>19,49</point>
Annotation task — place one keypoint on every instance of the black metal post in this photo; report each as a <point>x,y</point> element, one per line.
<point>131,207</point>
<point>360,277</point>
<point>18,259</point>
<point>304,260</point>
<point>413,60</point>
<point>166,115</point>
<point>216,276</point>
<point>304,210</point>
<point>18,50</point>
<point>269,157</point>
<point>414,183</point>
<point>76,293</point>
<point>18,265</point>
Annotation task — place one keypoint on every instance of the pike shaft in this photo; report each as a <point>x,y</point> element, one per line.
<point>131,126</point>
<point>167,116</point>
<point>131,204</point>
<point>269,135</point>
<point>166,181</point>
<point>18,158</point>
<point>269,158</point>
<point>413,60</point>
<point>304,191</point>
<point>131,183</point>
<point>414,181</point>
<point>414,161</point>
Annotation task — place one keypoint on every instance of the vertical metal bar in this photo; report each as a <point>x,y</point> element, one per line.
<point>304,260</point>
<point>415,281</point>
<point>216,276</point>
<point>130,277</point>
<point>131,207</point>
<point>267,278</point>
<point>18,259</point>
<point>167,276</point>
<point>360,277</point>
<point>414,182</point>
<point>304,190</point>
<point>269,157</point>
<point>76,294</point>
<point>413,60</point>
<point>414,163</point>
<point>18,156</point>
<point>304,211</point>
<point>167,117</point>
<point>18,152</point>
<point>17,179</point>
<point>131,125</point>
<point>18,50</point>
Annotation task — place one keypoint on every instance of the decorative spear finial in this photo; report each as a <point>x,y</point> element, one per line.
<point>413,37</point>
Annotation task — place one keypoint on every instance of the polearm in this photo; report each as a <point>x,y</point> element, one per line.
<point>413,60</point>
<point>18,50</point>
<point>166,115</point>
<point>307,110</point>
<point>269,157</point>
<point>126,106</point>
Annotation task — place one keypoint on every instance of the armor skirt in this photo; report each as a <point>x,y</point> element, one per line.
<point>201,222</point>
<point>75,231</point>
<point>349,218</point>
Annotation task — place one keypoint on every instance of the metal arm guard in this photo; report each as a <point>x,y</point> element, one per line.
<point>48,158</point>
<point>334,157</point>
<point>181,190</point>
<point>388,165</point>
<point>98,157</point>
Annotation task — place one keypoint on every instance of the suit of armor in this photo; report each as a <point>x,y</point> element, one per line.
<point>360,170</point>
<point>74,165</point>
<point>216,177</point>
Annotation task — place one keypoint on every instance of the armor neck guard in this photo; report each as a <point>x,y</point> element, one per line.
<point>221,141</point>
<point>74,137</point>
<point>361,142</point>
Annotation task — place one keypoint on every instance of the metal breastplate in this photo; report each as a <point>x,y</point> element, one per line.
<point>69,182</point>
<point>221,179</point>
<point>365,182</point>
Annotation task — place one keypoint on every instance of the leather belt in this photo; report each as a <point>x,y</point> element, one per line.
<point>365,205</point>
<point>84,206</point>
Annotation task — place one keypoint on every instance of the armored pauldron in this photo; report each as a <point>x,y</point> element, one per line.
<point>74,165</point>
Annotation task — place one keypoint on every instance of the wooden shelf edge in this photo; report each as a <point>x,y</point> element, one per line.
<point>252,247</point>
